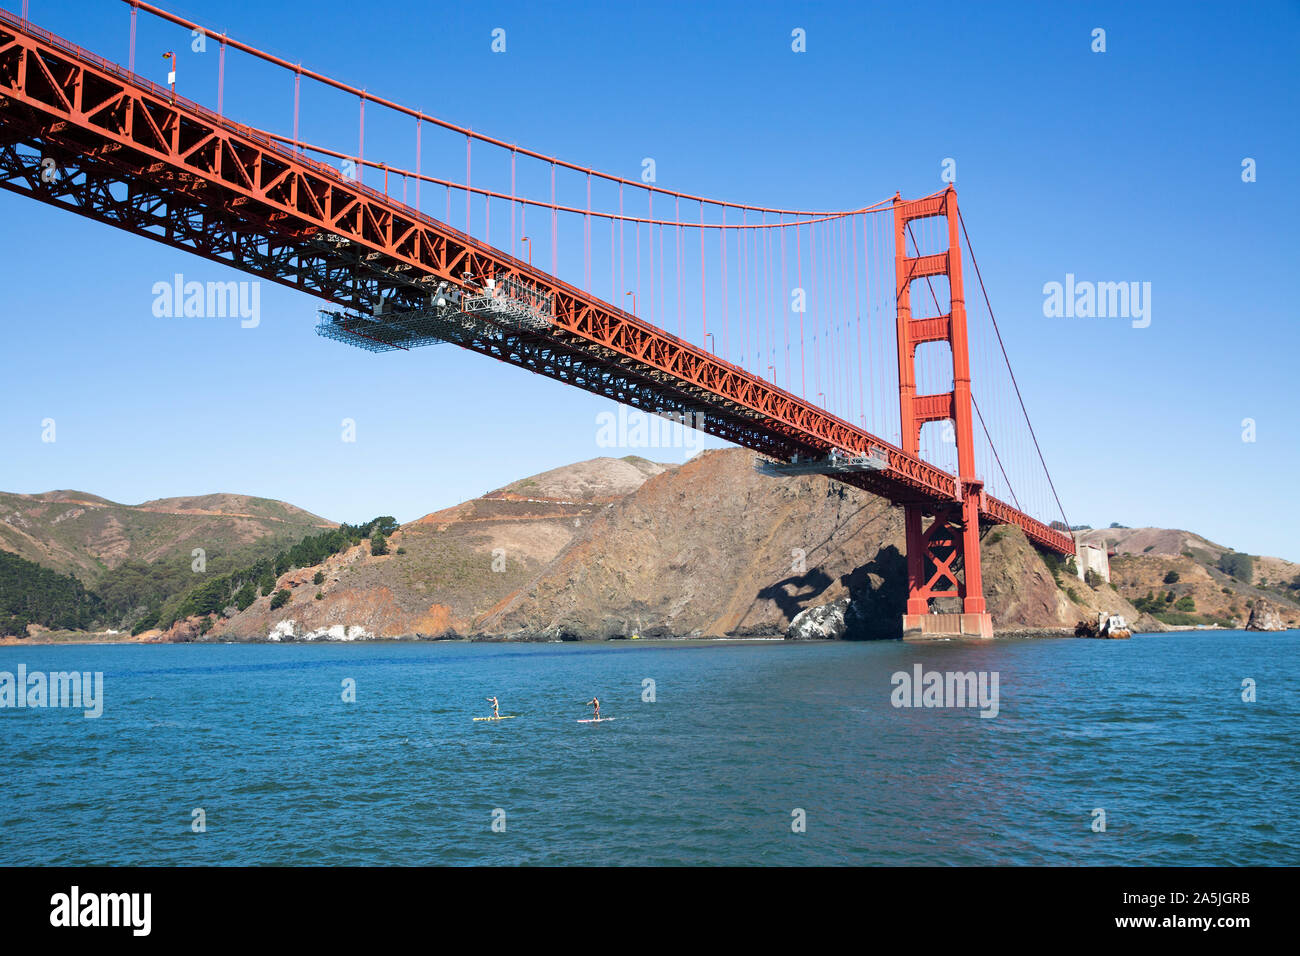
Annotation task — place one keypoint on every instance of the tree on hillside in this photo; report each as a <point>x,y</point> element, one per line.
<point>1171,577</point>
<point>33,594</point>
<point>281,598</point>
<point>384,525</point>
<point>246,596</point>
<point>378,545</point>
<point>318,578</point>
<point>1239,566</point>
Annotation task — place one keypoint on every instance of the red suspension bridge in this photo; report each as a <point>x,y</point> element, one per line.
<point>805,335</point>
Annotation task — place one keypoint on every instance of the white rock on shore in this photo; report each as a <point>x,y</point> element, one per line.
<point>822,622</point>
<point>286,631</point>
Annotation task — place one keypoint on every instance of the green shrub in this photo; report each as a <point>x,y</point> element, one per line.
<point>281,598</point>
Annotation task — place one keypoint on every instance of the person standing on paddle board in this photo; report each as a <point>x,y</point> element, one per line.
<point>493,701</point>
<point>595,702</point>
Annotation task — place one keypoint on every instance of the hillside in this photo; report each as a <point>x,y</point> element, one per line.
<point>446,569</point>
<point>600,549</point>
<point>138,557</point>
<point>85,535</point>
<point>1214,583</point>
<point>709,548</point>
<point>597,480</point>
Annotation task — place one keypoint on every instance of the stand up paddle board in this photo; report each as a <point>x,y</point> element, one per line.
<point>502,717</point>
<point>596,720</point>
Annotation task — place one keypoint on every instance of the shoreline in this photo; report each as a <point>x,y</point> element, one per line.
<point>1009,634</point>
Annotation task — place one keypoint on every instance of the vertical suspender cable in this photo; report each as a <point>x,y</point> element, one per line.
<point>704,312</point>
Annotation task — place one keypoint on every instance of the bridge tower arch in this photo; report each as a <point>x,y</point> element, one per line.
<point>943,539</point>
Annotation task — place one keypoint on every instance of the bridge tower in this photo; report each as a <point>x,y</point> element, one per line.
<point>943,556</point>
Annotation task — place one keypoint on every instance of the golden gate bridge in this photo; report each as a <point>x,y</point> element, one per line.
<point>805,335</point>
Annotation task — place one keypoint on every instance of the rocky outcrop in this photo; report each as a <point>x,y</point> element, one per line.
<point>183,631</point>
<point>1264,617</point>
<point>824,622</point>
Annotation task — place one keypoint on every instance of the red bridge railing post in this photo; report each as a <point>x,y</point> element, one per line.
<point>951,542</point>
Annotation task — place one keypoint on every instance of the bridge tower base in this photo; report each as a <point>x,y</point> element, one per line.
<point>943,558</point>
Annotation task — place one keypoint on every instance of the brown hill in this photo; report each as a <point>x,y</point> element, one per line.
<point>85,535</point>
<point>600,479</point>
<point>446,569</point>
<point>1144,559</point>
<point>1157,541</point>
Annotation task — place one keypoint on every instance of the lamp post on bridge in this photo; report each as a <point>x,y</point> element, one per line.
<point>633,295</point>
<point>712,348</point>
<point>171,77</point>
<point>528,239</point>
<point>772,369</point>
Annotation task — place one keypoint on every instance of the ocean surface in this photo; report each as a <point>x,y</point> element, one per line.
<point>715,769</point>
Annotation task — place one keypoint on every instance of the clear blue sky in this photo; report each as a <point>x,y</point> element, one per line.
<point>1123,165</point>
